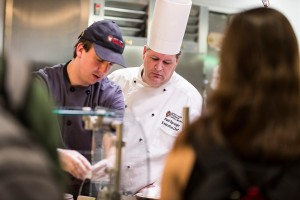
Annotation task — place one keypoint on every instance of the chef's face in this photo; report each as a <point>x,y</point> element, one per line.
<point>158,68</point>
<point>92,68</point>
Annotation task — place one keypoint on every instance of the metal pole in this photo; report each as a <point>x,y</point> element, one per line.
<point>185,118</point>
<point>119,146</point>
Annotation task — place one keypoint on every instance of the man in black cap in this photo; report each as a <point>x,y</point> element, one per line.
<point>82,82</point>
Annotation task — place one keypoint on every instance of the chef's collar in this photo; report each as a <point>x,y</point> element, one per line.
<point>139,77</point>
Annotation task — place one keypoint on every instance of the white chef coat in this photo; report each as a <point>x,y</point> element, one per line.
<point>153,119</point>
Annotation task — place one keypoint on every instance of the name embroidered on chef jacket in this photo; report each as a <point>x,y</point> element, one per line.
<point>172,121</point>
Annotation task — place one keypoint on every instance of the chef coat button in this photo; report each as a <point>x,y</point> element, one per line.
<point>72,89</point>
<point>88,92</point>
<point>128,167</point>
<point>164,89</point>
<point>125,106</point>
<point>69,123</point>
<point>134,81</point>
<point>153,114</point>
<point>140,139</point>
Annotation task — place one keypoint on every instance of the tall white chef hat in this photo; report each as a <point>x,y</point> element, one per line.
<point>169,22</point>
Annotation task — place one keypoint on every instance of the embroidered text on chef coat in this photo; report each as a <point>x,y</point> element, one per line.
<point>172,121</point>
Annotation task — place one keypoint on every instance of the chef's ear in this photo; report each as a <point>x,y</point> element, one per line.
<point>146,48</point>
<point>178,55</point>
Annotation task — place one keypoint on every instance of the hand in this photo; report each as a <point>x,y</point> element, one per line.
<point>150,191</point>
<point>100,169</point>
<point>74,163</point>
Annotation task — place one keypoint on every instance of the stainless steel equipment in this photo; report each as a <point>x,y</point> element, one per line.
<point>45,31</point>
<point>96,120</point>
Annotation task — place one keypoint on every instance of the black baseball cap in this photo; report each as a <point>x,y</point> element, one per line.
<point>107,39</point>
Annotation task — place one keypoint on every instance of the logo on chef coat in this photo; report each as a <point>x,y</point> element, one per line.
<point>168,113</point>
<point>172,121</point>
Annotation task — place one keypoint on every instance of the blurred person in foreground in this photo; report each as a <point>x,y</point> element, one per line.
<point>155,96</point>
<point>29,136</point>
<point>252,113</point>
<point>82,82</point>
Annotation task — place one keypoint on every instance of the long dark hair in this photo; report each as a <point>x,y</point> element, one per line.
<point>255,109</point>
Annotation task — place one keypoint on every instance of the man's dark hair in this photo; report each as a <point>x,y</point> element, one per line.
<point>87,45</point>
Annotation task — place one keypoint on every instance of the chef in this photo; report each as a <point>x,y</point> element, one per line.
<point>155,96</point>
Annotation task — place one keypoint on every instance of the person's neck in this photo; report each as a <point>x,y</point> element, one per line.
<point>72,73</point>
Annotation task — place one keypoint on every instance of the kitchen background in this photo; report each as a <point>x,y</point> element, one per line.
<point>46,31</point>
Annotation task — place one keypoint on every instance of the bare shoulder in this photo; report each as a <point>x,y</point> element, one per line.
<point>177,171</point>
<point>183,159</point>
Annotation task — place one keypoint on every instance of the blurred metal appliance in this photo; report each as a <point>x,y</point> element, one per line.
<point>45,32</point>
<point>96,121</point>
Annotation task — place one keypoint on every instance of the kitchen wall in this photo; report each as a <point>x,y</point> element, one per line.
<point>47,30</point>
<point>288,7</point>
<point>44,31</point>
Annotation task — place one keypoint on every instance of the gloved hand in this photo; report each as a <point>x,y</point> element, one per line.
<point>100,169</point>
<point>150,191</point>
<point>74,163</point>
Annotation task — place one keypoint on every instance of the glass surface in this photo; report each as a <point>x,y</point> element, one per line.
<point>101,122</point>
<point>98,111</point>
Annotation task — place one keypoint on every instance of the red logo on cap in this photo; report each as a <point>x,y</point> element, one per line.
<point>116,41</point>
